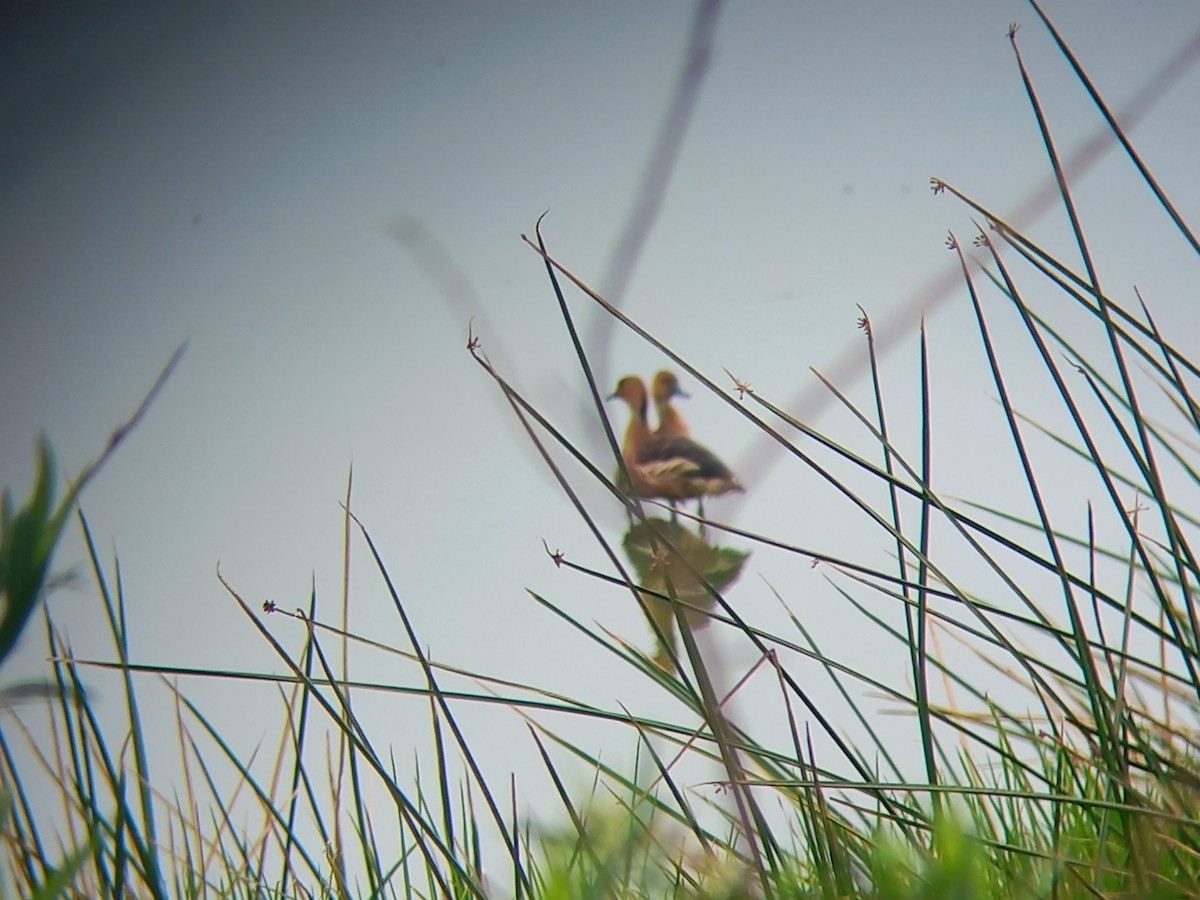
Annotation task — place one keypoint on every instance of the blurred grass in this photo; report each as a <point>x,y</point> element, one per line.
<point>1063,764</point>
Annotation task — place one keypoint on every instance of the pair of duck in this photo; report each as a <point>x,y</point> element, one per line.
<point>666,463</point>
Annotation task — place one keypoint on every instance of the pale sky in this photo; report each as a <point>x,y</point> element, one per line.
<point>235,175</point>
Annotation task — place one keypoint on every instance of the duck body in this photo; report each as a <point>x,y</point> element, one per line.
<point>666,466</point>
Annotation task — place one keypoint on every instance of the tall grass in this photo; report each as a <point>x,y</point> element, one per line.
<point>1064,763</point>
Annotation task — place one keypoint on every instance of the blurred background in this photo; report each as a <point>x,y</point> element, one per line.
<point>317,199</point>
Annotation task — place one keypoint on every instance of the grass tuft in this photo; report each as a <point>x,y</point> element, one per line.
<point>1050,677</point>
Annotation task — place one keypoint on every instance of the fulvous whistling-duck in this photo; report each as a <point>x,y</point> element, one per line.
<point>670,422</point>
<point>673,468</point>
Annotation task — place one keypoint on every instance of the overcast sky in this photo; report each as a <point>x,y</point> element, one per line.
<point>270,183</point>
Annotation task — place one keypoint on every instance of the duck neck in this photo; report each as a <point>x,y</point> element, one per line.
<point>638,430</point>
<point>669,420</point>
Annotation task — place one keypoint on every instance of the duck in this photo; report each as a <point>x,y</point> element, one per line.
<point>665,466</point>
<point>670,422</point>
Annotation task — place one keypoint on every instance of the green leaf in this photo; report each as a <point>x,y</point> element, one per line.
<point>660,550</point>
<point>26,545</point>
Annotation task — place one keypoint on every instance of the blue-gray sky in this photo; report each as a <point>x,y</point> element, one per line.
<point>236,175</point>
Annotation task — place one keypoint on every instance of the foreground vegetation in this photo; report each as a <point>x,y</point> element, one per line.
<point>1068,768</point>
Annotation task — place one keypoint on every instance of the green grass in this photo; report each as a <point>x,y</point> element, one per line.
<point>1052,684</point>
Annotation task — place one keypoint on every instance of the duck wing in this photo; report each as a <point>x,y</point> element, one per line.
<point>680,468</point>
<point>684,456</point>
